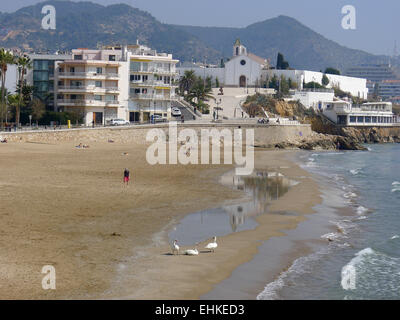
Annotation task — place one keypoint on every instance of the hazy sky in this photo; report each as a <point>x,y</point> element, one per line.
<point>377,28</point>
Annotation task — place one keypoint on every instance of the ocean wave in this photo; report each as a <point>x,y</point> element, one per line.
<point>299,267</point>
<point>348,280</point>
<point>362,218</point>
<point>361,210</point>
<point>395,237</point>
<point>349,195</point>
<point>356,171</point>
<point>344,226</point>
<point>395,189</point>
<point>331,236</point>
<point>372,274</point>
<point>395,183</point>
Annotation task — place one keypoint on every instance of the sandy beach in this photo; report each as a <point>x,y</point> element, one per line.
<point>68,207</point>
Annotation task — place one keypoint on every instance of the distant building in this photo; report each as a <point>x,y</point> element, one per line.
<point>389,89</point>
<point>372,72</point>
<point>368,114</point>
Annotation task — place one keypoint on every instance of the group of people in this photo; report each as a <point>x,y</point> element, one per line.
<point>82,146</point>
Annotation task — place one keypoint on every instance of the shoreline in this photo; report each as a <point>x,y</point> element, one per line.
<point>110,242</point>
<point>192,277</point>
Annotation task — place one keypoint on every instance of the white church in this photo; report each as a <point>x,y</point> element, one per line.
<point>245,69</point>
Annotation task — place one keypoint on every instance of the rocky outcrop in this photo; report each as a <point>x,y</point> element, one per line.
<point>319,141</point>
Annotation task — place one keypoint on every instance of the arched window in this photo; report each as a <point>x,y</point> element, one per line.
<point>237,51</point>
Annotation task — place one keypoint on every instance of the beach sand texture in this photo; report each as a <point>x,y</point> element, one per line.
<point>68,207</point>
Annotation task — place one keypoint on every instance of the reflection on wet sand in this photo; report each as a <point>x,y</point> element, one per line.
<point>263,187</point>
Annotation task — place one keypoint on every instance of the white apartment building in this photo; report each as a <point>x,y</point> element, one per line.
<point>152,83</point>
<point>377,114</point>
<point>93,83</point>
<point>115,82</point>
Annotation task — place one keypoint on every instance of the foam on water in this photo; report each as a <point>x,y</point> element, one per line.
<point>361,210</point>
<point>356,171</point>
<point>375,275</point>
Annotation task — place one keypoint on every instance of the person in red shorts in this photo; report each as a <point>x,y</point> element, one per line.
<point>126,176</point>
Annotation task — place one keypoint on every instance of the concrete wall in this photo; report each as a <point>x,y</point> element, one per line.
<point>264,135</point>
<point>356,86</point>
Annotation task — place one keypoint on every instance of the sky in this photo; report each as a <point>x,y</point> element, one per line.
<point>377,22</point>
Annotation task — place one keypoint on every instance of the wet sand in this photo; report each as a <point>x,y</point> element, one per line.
<point>67,207</point>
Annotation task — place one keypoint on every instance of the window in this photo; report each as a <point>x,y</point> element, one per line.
<point>360,119</point>
<point>353,119</point>
<point>98,84</point>
<point>99,70</point>
<point>145,78</point>
<point>145,66</point>
<point>374,119</point>
<point>78,57</point>
<point>111,57</point>
<point>135,77</point>
<point>135,66</point>
<point>368,119</point>
<point>72,69</point>
<point>242,62</point>
<point>97,98</point>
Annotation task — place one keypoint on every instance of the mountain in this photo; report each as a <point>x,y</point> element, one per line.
<point>86,24</point>
<point>302,47</point>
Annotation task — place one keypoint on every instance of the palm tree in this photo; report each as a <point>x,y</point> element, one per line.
<point>199,92</point>
<point>13,101</point>
<point>23,63</point>
<point>6,58</point>
<point>187,81</point>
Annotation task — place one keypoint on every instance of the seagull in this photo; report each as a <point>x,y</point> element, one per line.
<point>192,252</point>
<point>212,245</point>
<point>175,247</point>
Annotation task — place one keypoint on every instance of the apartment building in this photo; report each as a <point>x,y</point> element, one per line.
<point>42,77</point>
<point>114,82</point>
<point>152,83</point>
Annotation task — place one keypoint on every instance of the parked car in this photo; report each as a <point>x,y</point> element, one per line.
<point>176,112</point>
<point>118,122</point>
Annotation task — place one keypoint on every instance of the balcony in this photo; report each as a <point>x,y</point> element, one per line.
<point>144,96</point>
<point>87,102</point>
<point>150,83</point>
<point>156,71</point>
<point>88,75</point>
<point>90,89</point>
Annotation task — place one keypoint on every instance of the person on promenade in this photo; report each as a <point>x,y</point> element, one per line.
<point>126,176</point>
<point>182,119</point>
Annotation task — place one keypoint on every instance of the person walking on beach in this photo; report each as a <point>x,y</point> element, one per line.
<point>126,176</point>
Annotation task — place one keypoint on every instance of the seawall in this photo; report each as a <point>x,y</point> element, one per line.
<point>263,134</point>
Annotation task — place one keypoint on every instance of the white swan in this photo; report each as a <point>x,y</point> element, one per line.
<point>192,252</point>
<point>212,245</point>
<point>175,247</point>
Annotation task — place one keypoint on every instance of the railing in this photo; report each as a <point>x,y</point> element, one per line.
<point>151,96</point>
<point>88,74</point>
<point>157,71</point>
<point>86,101</point>
<point>151,83</point>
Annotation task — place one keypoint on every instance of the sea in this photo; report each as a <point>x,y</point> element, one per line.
<point>362,257</point>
